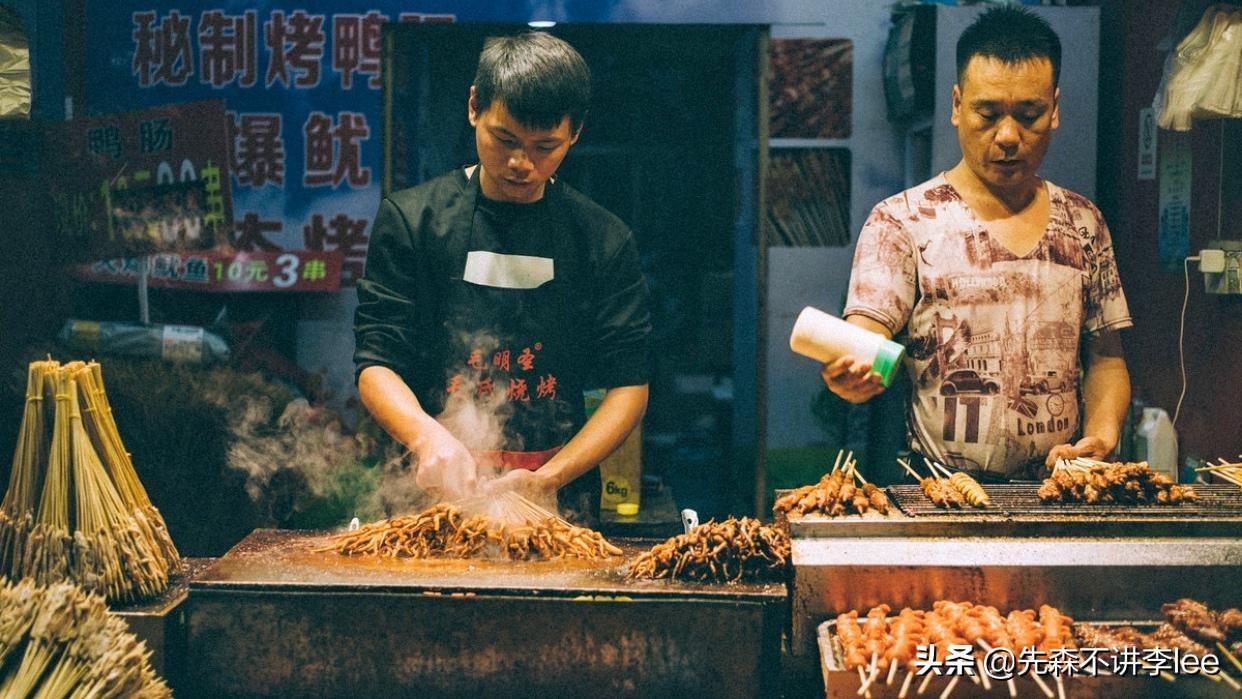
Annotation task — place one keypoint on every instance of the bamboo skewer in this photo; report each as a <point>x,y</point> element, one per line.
<point>949,689</point>
<point>1229,655</point>
<point>1042,685</point>
<point>905,684</point>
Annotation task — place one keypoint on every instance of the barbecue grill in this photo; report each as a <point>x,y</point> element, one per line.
<point>1101,562</point>
<point>274,618</point>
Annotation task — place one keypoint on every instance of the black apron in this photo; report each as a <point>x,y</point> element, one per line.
<point>523,343</point>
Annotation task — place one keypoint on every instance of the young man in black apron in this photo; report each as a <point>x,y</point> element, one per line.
<point>499,286</point>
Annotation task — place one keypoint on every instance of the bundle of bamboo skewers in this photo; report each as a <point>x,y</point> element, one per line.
<point>1230,473</point>
<point>75,509</point>
<point>59,641</point>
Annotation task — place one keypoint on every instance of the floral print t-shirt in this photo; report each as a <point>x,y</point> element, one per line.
<point>992,338</point>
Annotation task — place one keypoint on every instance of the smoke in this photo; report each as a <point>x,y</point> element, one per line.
<point>311,445</point>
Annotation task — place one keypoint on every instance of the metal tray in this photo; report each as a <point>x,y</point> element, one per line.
<point>840,683</point>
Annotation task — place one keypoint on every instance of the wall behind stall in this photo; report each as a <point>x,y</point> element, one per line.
<point>1211,421</point>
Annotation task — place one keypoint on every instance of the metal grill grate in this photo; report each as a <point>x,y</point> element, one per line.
<point>1020,499</point>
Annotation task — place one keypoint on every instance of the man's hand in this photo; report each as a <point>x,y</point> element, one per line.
<point>852,379</point>
<point>531,484</point>
<point>1088,447</point>
<point>445,466</point>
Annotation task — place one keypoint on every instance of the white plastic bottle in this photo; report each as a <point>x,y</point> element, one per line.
<point>827,338</point>
<point>1157,442</point>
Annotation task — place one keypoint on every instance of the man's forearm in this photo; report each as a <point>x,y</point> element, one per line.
<point>1106,397</point>
<point>619,413</point>
<point>393,405</point>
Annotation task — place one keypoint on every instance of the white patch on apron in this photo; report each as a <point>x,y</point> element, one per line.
<point>507,271</point>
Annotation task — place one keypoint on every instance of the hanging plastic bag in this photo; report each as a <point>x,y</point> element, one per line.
<point>1200,65</point>
<point>1223,62</point>
<point>14,66</point>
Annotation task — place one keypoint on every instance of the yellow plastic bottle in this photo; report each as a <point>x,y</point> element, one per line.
<point>621,473</point>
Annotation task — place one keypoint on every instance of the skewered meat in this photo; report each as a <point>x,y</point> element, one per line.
<point>1230,622</point>
<point>444,531</point>
<point>718,552</point>
<point>895,640</point>
<point>1115,483</point>
<point>1195,619</point>
<point>941,493</point>
<point>835,494</point>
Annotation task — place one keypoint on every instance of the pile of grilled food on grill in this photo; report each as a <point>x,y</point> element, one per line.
<point>879,644</point>
<point>735,549</point>
<point>525,532</point>
<point>1096,482</point>
<point>841,491</point>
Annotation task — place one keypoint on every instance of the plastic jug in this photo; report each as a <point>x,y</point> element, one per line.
<point>1157,442</point>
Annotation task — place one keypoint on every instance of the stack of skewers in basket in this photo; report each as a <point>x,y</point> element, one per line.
<point>505,526</point>
<point>840,491</point>
<point>948,490</point>
<point>59,641</point>
<point>75,509</point>
<point>1096,482</point>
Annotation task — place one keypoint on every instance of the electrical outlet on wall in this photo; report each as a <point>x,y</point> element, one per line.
<point>1228,280</point>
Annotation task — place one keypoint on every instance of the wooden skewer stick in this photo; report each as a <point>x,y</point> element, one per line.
<point>1042,685</point>
<point>949,690</point>
<point>983,675</point>
<point>926,681</point>
<point>905,684</point>
<point>837,464</point>
<point>871,674</point>
<point>1228,680</point>
<point>1060,687</point>
<point>862,680</point>
<point>892,672</point>
<point>1229,655</point>
<point>1013,689</point>
<point>906,465</point>
<point>931,468</point>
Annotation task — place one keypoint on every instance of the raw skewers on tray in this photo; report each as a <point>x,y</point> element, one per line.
<point>878,645</point>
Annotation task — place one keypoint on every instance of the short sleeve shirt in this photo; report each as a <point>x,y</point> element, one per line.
<point>992,338</point>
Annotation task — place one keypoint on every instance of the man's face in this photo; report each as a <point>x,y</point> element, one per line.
<point>516,162</point>
<point>1005,115</point>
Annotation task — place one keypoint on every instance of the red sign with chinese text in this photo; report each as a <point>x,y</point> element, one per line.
<point>141,182</point>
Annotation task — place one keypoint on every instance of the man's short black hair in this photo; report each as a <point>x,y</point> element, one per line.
<point>539,78</point>
<point>1011,35</point>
